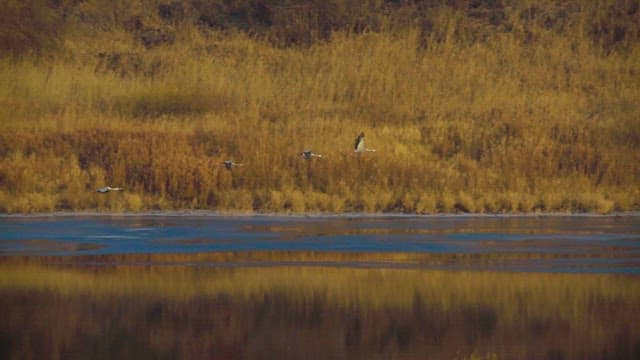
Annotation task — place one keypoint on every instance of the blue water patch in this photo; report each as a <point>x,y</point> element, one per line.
<point>588,236</point>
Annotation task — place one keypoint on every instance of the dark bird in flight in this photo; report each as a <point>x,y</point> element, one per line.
<point>106,189</point>
<point>308,154</point>
<point>359,145</point>
<point>229,164</point>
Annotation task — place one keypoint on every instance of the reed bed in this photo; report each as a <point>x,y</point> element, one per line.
<point>468,114</point>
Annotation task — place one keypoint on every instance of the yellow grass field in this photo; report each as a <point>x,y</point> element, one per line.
<point>506,106</point>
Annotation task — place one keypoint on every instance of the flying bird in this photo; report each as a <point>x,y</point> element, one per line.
<point>106,189</point>
<point>308,154</point>
<point>229,164</point>
<point>359,145</point>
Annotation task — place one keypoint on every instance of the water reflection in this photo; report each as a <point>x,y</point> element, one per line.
<point>322,312</point>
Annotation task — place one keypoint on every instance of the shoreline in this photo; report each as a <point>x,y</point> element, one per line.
<point>231,214</point>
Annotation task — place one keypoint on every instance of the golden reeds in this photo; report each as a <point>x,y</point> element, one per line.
<point>469,119</point>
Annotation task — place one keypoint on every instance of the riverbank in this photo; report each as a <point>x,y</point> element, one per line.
<point>319,215</point>
<point>483,108</point>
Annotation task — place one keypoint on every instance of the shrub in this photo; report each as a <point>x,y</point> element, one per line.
<point>29,27</point>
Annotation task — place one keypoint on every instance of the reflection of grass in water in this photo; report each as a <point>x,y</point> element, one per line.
<point>491,258</point>
<point>362,312</point>
<point>563,295</point>
<point>35,245</point>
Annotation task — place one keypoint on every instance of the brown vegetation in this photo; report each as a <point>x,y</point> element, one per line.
<point>474,106</point>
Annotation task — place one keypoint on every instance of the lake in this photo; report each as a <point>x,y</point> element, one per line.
<point>609,244</point>
<point>349,286</point>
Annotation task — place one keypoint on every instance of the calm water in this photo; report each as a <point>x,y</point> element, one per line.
<point>568,287</point>
<point>551,243</point>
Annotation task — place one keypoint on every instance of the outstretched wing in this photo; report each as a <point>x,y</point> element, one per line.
<point>359,145</point>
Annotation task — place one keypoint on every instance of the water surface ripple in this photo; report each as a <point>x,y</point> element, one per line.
<point>551,243</point>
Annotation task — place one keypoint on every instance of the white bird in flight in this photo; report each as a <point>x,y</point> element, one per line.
<point>106,189</point>
<point>359,145</point>
<point>229,164</point>
<point>308,154</point>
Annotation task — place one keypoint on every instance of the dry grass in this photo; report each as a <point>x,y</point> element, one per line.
<point>471,119</point>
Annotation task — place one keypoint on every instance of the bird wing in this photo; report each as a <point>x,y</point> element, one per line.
<point>359,143</point>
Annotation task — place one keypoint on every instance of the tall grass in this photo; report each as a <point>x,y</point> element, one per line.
<point>467,114</point>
